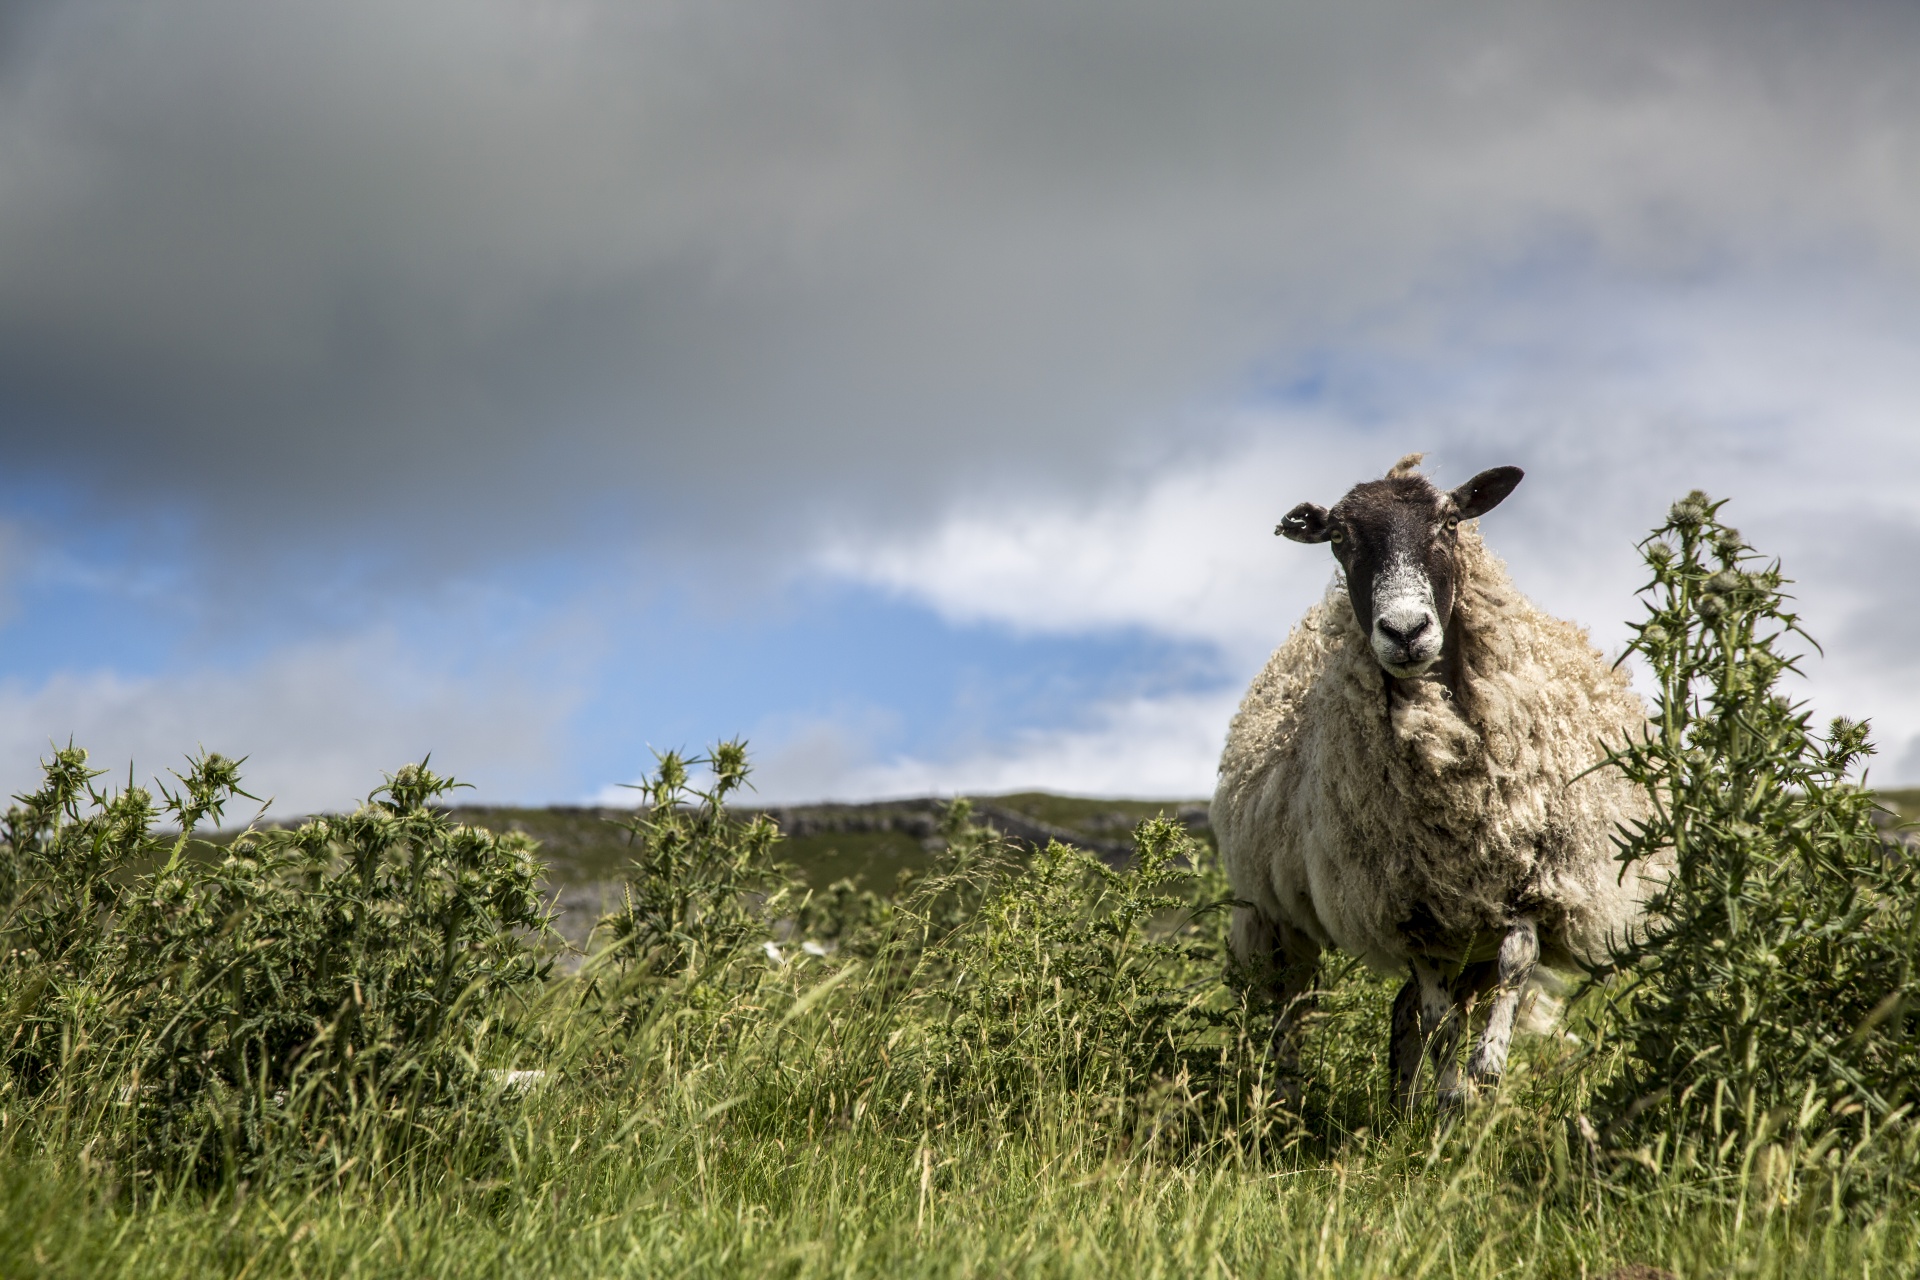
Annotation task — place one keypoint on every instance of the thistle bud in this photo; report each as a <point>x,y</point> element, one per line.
<point>1690,510</point>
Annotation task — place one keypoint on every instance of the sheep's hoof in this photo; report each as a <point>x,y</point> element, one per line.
<point>1452,1101</point>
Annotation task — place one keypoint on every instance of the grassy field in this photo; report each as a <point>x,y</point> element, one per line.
<point>768,1117</point>
<point>754,1122</point>
<point>706,1199</point>
<point>654,1164</point>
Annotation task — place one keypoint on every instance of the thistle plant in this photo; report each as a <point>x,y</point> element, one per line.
<point>1772,991</point>
<point>220,1016</point>
<point>1072,975</point>
<point>703,885</point>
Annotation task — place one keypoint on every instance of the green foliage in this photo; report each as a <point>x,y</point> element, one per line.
<point>972,995</point>
<point>215,1020</point>
<point>1073,975</point>
<point>842,916</point>
<point>1773,991</point>
<point>702,883</point>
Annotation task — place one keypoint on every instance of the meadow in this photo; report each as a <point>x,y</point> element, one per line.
<point>356,1046</point>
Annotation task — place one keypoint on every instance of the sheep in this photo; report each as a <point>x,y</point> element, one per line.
<point>1410,780</point>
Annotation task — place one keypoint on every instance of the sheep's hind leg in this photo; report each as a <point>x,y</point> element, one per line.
<point>1519,953</point>
<point>1442,1023</point>
<point>1287,963</point>
<point>1408,1042</point>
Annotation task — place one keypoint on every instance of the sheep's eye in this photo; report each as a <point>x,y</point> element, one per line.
<point>1453,522</point>
<point>1336,537</point>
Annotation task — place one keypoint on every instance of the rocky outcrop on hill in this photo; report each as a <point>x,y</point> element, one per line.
<point>1109,836</point>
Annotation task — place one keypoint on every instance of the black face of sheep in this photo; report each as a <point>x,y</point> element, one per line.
<point>1395,540</point>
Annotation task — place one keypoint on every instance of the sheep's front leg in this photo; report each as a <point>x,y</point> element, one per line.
<point>1287,963</point>
<point>1519,953</point>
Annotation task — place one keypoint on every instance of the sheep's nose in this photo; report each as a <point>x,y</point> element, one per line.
<point>1404,637</point>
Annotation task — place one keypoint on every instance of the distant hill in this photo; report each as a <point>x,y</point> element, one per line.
<point>869,843</point>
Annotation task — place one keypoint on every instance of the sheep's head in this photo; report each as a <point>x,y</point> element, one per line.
<point>1396,540</point>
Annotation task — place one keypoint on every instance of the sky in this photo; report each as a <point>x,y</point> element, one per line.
<point>909,388</point>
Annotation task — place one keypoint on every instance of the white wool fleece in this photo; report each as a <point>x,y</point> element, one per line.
<point>1424,831</point>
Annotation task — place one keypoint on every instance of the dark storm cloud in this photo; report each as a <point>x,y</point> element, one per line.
<point>574,257</point>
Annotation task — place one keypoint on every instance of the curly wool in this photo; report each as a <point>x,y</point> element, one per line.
<point>1424,829</point>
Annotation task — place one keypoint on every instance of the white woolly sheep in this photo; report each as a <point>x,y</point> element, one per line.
<point>1409,781</point>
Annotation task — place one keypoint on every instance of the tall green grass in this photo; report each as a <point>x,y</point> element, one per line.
<point>342,1050</point>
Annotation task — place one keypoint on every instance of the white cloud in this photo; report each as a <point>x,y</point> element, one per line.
<point>1797,403</point>
<point>1152,747</point>
<point>1187,553</point>
<point>318,723</point>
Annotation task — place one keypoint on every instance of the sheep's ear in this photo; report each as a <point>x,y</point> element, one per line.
<point>1305,523</point>
<point>1485,491</point>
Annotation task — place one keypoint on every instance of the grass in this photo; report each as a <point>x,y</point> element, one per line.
<point>755,1130</point>
<point>684,1150</point>
<point>679,1151</point>
<point>700,1196</point>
